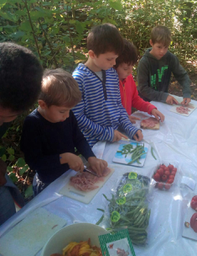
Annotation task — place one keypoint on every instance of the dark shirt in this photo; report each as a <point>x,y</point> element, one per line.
<point>154,76</point>
<point>42,142</point>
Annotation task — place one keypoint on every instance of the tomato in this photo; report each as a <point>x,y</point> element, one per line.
<point>193,222</point>
<point>194,203</point>
<point>171,176</point>
<point>160,171</point>
<point>164,177</point>
<point>170,166</point>
<point>170,181</point>
<point>156,177</point>
<point>160,185</point>
<point>173,173</point>
<point>174,169</point>
<point>167,186</point>
<point>167,173</point>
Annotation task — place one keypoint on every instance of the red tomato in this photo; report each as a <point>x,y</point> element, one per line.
<point>174,169</point>
<point>173,173</point>
<point>160,171</point>
<point>160,185</point>
<point>162,166</point>
<point>170,181</point>
<point>167,186</point>
<point>156,177</point>
<point>171,177</point>
<point>170,166</point>
<point>164,177</point>
<point>167,173</point>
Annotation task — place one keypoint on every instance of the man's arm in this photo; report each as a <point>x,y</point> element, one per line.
<point>144,87</point>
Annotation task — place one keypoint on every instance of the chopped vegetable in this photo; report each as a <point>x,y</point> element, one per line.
<point>136,153</point>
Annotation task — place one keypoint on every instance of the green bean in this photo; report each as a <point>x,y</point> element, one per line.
<point>153,153</point>
<point>100,220</point>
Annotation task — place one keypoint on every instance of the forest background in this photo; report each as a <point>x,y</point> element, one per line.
<point>56,32</point>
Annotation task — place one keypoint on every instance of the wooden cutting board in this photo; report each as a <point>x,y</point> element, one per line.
<point>84,197</point>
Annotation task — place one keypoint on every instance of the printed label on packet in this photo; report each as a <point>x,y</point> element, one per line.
<point>118,243</point>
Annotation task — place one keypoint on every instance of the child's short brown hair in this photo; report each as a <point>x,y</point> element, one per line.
<point>129,54</point>
<point>105,38</point>
<point>59,88</point>
<point>161,34</point>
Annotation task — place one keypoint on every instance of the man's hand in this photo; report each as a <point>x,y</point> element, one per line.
<point>185,101</point>
<point>97,165</point>
<point>138,136</point>
<point>3,169</point>
<point>158,115</point>
<point>74,162</point>
<point>171,100</point>
<point>133,119</point>
<point>118,136</point>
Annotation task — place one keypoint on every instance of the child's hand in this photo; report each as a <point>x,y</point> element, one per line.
<point>3,169</point>
<point>118,136</point>
<point>74,162</point>
<point>158,115</point>
<point>138,136</point>
<point>97,165</point>
<point>133,118</point>
<point>185,101</point>
<point>171,100</point>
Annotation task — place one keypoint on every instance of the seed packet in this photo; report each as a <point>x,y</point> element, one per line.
<point>117,243</point>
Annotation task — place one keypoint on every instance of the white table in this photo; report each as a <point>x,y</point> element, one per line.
<point>175,142</point>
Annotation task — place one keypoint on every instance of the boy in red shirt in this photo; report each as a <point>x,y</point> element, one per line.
<point>128,89</point>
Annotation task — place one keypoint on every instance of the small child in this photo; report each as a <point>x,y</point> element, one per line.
<point>100,113</point>
<point>128,90</point>
<point>50,133</point>
<point>155,68</point>
<point>20,84</point>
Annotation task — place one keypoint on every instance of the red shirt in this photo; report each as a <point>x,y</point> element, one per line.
<point>130,97</point>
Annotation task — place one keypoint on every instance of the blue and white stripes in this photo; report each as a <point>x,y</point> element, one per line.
<point>98,118</point>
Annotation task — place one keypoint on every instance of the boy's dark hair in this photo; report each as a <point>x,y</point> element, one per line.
<point>161,34</point>
<point>20,77</point>
<point>129,54</point>
<point>59,88</point>
<point>105,38</point>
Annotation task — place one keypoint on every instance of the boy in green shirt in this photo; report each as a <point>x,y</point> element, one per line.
<point>155,68</point>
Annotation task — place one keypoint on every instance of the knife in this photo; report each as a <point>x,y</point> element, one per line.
<point>87,170</point>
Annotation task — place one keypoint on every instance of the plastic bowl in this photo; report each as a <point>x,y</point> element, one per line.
<point>72,233</point>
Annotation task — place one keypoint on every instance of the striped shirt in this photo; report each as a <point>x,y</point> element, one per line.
<point>100,111</point>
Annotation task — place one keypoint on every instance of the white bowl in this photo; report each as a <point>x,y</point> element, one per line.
<point>72,233</point>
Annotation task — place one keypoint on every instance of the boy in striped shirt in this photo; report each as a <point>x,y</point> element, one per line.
<point>100,113</point>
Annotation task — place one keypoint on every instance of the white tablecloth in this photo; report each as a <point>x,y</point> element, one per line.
<point>175,142</point>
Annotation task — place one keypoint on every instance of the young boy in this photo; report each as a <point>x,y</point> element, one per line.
<point>128,90</point>
<point>100,113</point>
<point>50,133</point>
<point>155,68</point>
<point>20,84</point>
